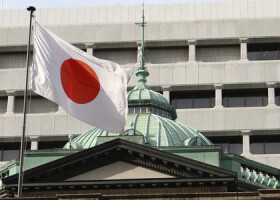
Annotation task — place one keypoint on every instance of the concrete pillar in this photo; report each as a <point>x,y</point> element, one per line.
<point>34,142</point>
<point>218,96</point>
<point>11,102</point>
<point>192,50</point>
<point>243,49</point>
<point>166,92</point>
<point>271,94</point>
<point>90,48</point>
<point>246,142</point>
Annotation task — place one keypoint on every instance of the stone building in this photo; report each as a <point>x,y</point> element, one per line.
<point>216,62</point>
<point>200,70</point>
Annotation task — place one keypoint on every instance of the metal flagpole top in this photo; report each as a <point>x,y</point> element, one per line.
<point>31,8</point>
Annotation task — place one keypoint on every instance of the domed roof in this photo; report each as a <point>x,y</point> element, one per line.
<point>157,131</point>
<point>150,115</point>
<point>143,96</point>
<point>142,92</point>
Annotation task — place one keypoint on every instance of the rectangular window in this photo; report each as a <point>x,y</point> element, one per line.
<point>217,53</point>
<point>265,144</point>
<point>10,150</point>
<point>52,144</point>
<point>144,110</point>
<point>3,104</point>
<point>245,97</point>
<point>263,51</point>
<point>193,99</point>
<point>165,55</point>
<point>232,144</point>
<point>36,104</point>
<point>277,96</point>
<point>137,110</point>
<point>130,110</point>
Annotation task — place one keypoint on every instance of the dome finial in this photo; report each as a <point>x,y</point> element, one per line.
<point>142,66</point>
<point>142,72</point>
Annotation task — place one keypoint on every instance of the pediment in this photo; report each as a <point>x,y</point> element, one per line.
<point>118,160</point>
<point>118,171</point>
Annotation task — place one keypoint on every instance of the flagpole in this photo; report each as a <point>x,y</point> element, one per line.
<point>22,146</point>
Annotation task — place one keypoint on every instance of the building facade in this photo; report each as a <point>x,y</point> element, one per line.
<point>216,62</point>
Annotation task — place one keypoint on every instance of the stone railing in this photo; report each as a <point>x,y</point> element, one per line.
<point>251,171</point>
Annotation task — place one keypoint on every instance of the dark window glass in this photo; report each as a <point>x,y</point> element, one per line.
<point>52,144</point>
<point>265,144</point>
<point>277,96</point>
<point>9,155</point>
<point>137,110</point>
<point>257,148</point>
<point>193,99</point>
<point>231,144</point>
<point>264,51</point>
<point>10,150</point>
<point>245,98</point>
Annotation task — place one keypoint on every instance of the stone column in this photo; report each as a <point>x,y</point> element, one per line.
<point>246,142</point>
<point>11,102</point>
<point>192,50</point>
<point>218,96</point>
<point>34,142</point>
<point>90,48</point>
<point>243,49</point>
<point>271,94</point>
<point>166,92</point>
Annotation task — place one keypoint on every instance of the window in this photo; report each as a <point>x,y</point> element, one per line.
<point>277,96</point>
<point>3,104</point>
<point>36,104</point>
<point>143,110</point>
<point>193,99</point>
<point>265,144</point>
<point>52,144</point>
<point>264,51</point>
<point>232,144</point>
<point>217,53</point>
<point>10,150</point>
<point>245,98</point>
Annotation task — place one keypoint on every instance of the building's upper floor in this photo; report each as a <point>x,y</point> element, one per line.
<point>196,10</point>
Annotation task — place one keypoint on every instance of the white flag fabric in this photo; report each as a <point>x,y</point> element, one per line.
<point>90,89</point>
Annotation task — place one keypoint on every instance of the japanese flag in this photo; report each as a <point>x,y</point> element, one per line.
<point>90,89</point>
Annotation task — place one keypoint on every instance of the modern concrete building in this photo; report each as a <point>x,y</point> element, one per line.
<point>216,62</point>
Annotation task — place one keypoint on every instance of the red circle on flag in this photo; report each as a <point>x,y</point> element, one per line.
<point>79,81</point>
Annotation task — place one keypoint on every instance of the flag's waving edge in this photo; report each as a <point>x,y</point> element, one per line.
<point>90,89</point>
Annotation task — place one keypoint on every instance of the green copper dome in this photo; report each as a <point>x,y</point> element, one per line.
<point>143,97</point>
<point>150,115</point>
<point>157,131</point>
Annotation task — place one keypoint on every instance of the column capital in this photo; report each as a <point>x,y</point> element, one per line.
<point>11,92</point>
<point>271,84</point>
<point>246,132</point>
<point>243,40</point>
<point>34,138</point>
<point>218,86</point>
<point>90,45</point>
<point>192,42</point>
<point>166,88</point>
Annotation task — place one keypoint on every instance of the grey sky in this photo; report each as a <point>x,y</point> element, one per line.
<point>8,4</point>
